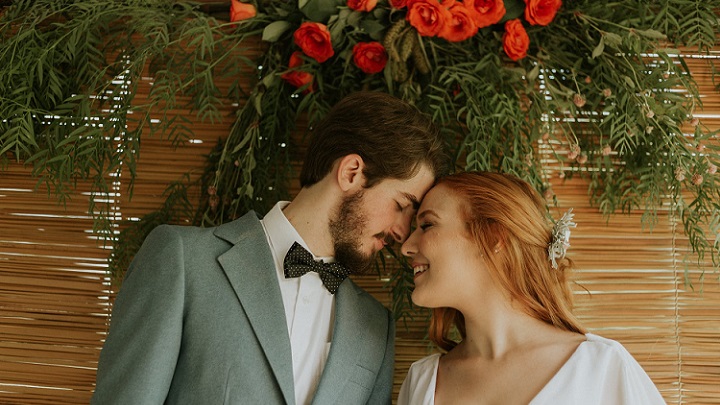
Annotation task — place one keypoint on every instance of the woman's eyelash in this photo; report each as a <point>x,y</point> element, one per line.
<point>425,225</point>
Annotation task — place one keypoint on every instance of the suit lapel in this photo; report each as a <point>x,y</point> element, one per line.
<point>249,267</point>
<point>349,329</point>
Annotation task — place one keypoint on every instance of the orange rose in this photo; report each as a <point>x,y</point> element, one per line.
<point>370,57</point>
<point>541,12</point>
<point>314,40</point>
<point>461,25</point>
<point>398,3</point>
<point>362,5</point>
<point>486,12</point>
<point>296,77</point>
<point>427,16</point>
<point>515,40</point>
<point>241,11</point>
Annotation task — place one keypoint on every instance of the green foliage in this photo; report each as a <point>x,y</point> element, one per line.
<point>69,74</point>
<point>602,80</point>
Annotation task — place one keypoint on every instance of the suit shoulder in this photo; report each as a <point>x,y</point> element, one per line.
<point>228,230</point>
<point>365,298</point>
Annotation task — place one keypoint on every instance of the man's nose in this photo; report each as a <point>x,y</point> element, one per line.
<point>401,229</point>
<point>408,248</point>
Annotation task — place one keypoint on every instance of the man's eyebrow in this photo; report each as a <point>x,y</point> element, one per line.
<point>413,200</point>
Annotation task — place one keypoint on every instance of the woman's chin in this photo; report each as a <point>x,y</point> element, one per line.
<point>418,299</point>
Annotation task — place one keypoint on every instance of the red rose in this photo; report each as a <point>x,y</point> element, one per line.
<point>515,40</point>
<point>241,11</point>
<point>398,3</point>
<point>486,12</point>
<point>362,5</point>
<point>370,57</point>
<point>427,16</point>
<point>461,25</point>
<point>541,12</point>
<point>314,40</point>
<point>296,77</point>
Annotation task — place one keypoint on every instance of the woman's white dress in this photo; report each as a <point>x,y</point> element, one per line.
<point>600,371</point>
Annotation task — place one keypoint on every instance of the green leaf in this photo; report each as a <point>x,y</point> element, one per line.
<point>57,158</point>
<point>629,81</point>
<point>533,73</point>
<point>320,10</point>
<point>274,30</point>
<point>669,51</point>
<point>599,48</point>
<point>373,28</point>
<point>650,33</point>
<point>353,18</point>
<point>612,39</point>
<point>513,9</point>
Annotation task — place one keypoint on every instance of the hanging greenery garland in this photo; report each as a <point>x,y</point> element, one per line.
<point>599,85</point>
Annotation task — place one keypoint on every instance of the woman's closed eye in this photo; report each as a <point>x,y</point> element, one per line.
<point>425,225</point>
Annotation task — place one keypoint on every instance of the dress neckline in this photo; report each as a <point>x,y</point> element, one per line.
<point>588,338</point>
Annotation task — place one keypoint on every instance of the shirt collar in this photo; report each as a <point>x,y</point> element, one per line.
<point>282,234</point>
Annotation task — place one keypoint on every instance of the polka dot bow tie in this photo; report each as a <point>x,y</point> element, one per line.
<point>299,261</point>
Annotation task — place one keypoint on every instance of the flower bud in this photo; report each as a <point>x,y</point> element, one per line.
<point>606,150</point>
<point>212,190</point>
<point>695,121</point>
<point>579,100</point>
<point>607,93</point>
<point>679,174</point>
<point>697,179</point>
<point>650,114</point>
<point>712,169</point>
<point>582,159</point>
<point>213,202</point>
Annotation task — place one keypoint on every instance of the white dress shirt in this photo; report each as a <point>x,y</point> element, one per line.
<point>309,307</point>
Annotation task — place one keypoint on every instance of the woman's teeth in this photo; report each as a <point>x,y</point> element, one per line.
<point>419,269</point>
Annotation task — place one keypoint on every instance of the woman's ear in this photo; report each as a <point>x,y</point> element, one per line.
<point>350,172</point>
<point>499,237</point>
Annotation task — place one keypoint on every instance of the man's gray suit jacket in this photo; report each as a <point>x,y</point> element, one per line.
<point>199,319</point>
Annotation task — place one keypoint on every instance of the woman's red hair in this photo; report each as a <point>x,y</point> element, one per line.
<point>501,209</point>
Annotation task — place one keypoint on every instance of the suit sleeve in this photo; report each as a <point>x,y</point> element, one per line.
<point>138,358</point>
<point>382,391</point>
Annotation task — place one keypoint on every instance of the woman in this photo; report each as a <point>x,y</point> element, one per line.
<point>489,263</point>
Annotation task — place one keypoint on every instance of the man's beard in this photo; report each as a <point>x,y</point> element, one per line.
<point>346,230</point>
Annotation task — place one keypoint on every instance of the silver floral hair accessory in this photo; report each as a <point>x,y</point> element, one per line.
<point>561,238</point>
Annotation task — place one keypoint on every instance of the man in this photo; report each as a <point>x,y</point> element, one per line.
<point>215,316</point>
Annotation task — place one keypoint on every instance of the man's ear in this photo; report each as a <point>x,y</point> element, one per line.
<point>350,172</point>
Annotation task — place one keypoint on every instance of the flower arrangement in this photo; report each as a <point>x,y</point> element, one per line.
<point>601,87</point>
<point>451,20</point>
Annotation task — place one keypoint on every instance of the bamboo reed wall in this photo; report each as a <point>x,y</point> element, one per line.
<point>55,298</point>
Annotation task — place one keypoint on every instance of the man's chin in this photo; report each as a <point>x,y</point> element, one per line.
<point>360,264</point>
<point>358,261</point>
